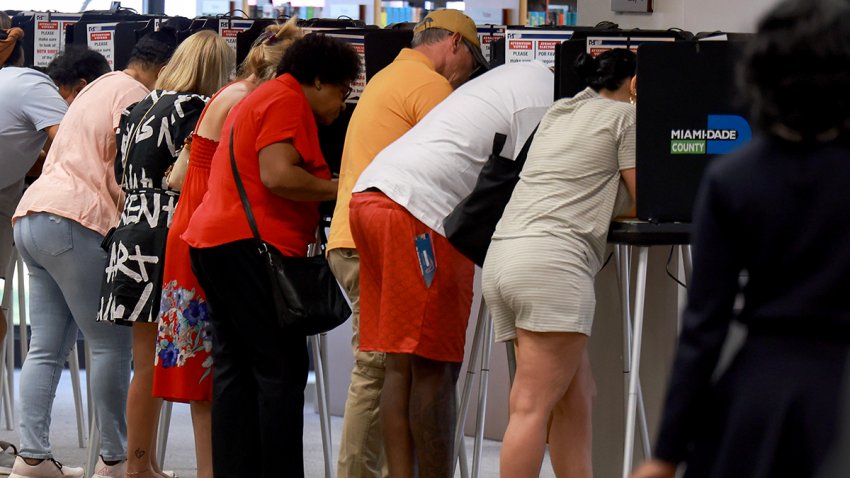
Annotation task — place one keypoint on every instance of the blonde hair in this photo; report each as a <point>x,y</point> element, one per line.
<point>268,49</point>
<point>201,64</point>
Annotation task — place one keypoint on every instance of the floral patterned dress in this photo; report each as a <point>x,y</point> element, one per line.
<point>183,363</point>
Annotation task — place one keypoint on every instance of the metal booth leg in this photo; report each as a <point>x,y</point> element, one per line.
<point>74,366</point>
<point>317,344</point>
<point>94,445</point>
<point>483,382</point>
<point>685,249</point>
<point>22,308</point>
<point>7,361</point>
<point>623,261</point>
<point>463,407</point>
<point>634,380</point>
<point>162,431</point>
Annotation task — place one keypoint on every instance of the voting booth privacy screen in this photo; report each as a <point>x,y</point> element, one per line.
<point>377,49</point>
<point>689,112</point>
<point>595,42</point>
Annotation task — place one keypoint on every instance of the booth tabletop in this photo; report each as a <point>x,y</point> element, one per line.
<point>643,233</point>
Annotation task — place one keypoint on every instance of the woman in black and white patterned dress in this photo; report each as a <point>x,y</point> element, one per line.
<point>151,136</point>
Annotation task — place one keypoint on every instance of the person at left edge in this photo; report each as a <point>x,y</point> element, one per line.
<point>59,226</point>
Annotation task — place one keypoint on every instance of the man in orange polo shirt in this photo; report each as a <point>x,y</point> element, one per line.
<point>445,51</point>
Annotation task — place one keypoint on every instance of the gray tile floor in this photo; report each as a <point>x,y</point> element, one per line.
<point>180,450</point>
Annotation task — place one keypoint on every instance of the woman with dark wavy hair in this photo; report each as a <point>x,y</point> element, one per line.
<point>773,211</point>
<point>260,367</point>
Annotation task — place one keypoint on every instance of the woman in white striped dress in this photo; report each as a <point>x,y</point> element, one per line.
<point>546,251</point>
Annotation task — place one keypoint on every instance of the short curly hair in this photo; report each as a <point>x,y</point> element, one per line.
<point>795,73</point>
<point>76,63</point>
<point>155,49</point>
<point>322,57</point>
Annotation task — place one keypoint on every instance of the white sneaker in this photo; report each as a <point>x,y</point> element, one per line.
<point>7,457</point>
<point>102,470</point>
<point>48,468</point>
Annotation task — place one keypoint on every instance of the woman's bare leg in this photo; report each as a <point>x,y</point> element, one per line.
<point>546,366</point>
<point>202,425</point>
<point>570,434</point>
<point>142,407</point>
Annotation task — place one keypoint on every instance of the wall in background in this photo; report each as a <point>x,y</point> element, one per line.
<point>691,15</point>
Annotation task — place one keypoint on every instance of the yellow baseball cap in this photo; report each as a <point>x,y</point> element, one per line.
<point>456,22</point>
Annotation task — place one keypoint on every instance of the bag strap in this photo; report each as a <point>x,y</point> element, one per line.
<point>243,196</point>
<point>322,239</point>
<point>499,140</point>
<point>523,153</point>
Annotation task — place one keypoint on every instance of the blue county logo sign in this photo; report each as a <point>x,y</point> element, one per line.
<point>724,134</point>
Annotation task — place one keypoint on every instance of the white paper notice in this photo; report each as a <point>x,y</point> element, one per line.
<point>50,35</point>
<point>488,34</point>
<point>598,45</point>
<point>101,38</point>
<point>228,29</point>
<point>359,44</point>
<point>529,44</point>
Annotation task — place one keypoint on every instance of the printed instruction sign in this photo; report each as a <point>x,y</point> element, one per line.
<point>598,45</point>
<point>101,38</point>
<point>487,34</point>
<point>359,44</point>
<point>49,37</point>
<point>228,29</point>
<point>529,44</point>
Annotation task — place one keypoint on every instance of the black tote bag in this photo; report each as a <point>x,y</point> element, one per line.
<point>306,294</point>
<point>470,226</point>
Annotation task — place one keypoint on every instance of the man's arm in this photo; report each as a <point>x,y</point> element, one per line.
<point>35,170</point>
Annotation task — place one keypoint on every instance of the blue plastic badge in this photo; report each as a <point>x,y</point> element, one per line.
<point>425,254</point>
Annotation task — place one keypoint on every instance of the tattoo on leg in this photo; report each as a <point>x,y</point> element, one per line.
<point>139,453</point>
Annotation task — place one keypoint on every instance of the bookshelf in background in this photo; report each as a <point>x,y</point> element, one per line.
<point>402,11</point>
<point>269,9</point>
<point>552,12</point>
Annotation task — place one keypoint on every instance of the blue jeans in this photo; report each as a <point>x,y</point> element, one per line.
<point>66,266</point>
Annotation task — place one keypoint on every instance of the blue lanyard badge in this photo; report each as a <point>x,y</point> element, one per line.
<point>425,254</point>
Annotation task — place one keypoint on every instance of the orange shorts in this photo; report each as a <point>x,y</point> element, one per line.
<point>398,313</point>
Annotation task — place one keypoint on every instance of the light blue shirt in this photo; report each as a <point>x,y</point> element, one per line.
<point>29,103</point>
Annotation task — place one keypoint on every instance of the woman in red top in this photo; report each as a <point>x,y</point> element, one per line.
<point>260,368</point>
<point>184,343</point>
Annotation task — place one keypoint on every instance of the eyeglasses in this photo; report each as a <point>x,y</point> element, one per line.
<point>469,48</point>
<point>346,91</point>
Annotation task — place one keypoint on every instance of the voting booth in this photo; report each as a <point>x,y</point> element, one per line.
<point>521,43</point>
<point>595,42</point>
<point>47,33</point>
<point>689,112</point>
<point>377,49</point>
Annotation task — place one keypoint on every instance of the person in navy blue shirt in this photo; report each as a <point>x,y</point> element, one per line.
<point>771,223</point>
